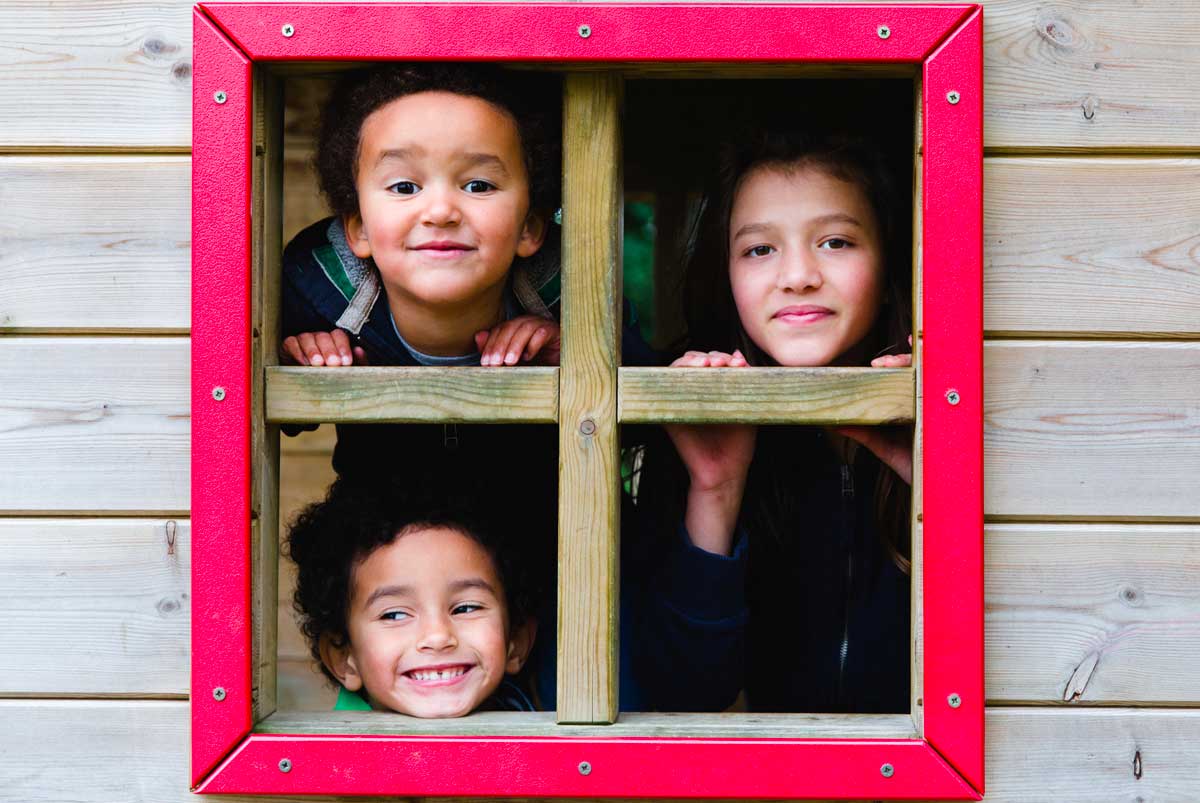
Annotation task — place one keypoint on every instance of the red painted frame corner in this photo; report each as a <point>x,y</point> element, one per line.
<point>946,43</point>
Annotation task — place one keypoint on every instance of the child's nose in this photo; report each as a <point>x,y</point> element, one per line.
<point>440,207</point>
<point>437,634</point>
<point>799,271</point>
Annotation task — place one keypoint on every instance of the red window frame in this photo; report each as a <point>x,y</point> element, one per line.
<point>227,757</point>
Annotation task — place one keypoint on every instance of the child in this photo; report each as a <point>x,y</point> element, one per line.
<point>796,264</point>
<point>424,602</point>
<point>411,603</point>
<point>442,178</point>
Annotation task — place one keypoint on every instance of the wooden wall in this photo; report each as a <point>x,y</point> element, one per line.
<point>1092,281</point>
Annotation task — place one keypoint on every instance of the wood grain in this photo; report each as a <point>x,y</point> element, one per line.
<point>1093,615</point>
<point>374,394</point>
<point>92,424</point>
<point>589,478</point>
<point>1092,430</point>
<point>94,243</point>
<point>766,395</point>
<point>1092,246</point>
<point>96,74</point>
<point>94,607</point>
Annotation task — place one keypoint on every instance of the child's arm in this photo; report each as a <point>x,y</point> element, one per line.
<point>527,338</point>
<point>892,445</point>
<point>717,458</point>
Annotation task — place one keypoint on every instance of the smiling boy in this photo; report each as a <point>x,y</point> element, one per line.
<point>411,603</point>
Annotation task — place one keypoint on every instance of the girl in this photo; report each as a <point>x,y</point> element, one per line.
<point>795,264</point>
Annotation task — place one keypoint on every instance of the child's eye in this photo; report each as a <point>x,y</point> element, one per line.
<point>404,188</point>
<point>479,185</point>
<point>836,244</point>
<point>759,251</point>
<point>467,607</point>
<point>394,616</point>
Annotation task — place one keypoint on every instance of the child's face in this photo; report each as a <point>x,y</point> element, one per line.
<point>443,198</point>
<point>428,626</point>
<point>805,265</point>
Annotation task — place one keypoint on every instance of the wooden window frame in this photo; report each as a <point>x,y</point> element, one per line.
<point>240,395</point>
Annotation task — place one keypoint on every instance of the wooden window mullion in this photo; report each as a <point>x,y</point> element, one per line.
<point>589,461</point>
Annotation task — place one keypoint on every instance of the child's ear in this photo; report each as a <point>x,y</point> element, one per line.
<point>520,642</point>
<point>356,236</point>
<point>340,661</point>
<point>533,234</point>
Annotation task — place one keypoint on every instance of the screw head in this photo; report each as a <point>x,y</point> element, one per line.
<point>952,397</point>
<point>588,427</point>
<point>285,765</point>
<point>954,700</point>
<point>953,97</point>
<point>220,97</point>
<point>219,693</point>
<point>288,30</point>
<point>887,770</point>
<point>585,768</point>
<point>219,393</point>
<point>883,31</point>
<point>585,31</point>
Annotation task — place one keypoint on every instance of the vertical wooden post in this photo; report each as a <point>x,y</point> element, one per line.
<point>917,655</point>
<point>266,225</point>
<point>589,464</point>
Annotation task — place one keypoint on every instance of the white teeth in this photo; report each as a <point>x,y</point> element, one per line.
<point>438,674</point>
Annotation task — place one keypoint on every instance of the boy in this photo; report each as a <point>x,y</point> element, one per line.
<point>412,603</point>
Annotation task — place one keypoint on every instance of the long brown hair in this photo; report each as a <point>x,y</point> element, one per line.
<point>713,322</point>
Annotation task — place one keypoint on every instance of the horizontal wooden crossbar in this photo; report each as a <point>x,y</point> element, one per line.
<point>412,395</point>
<point>766,395</point>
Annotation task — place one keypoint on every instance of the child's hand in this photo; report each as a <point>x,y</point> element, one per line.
<point>894,360</point>
<point>717,458</point>
<point>321,348</point>
<point>892,445</point>
<point>527,338</point>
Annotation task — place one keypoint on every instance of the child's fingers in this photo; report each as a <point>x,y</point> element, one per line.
<point>540,337</point>
<point>719,359</point>
<point>308,345</point>
<point>329,350</point>
<point>291,352</point>
<point>360,356</point>
<point>341,342</point>
<point>489,347</point>
<point>481,339</point>
<point>523,333</point>
<point>691,359</point>
<point>499,347</point>
<point>737,359</point>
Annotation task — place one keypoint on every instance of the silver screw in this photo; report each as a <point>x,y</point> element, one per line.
<point>585,31</point>
<point>588,427</point>
<point>220,97</point>
<point>219,693</point>
<point>585,768</point>
<point>953,397</point>
<point>288,30</point>
<point>285,765</point>
<point>887,770</point>
<point>883,31</point>
<point>954,700</point>
<point>219,393</point>
<point>952,96</point>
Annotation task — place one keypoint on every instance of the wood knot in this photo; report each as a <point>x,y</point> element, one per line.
<point>154,46</point>
<point>1131,596</point>
<point>182,70</point>
<point>1056,30</point>
<point>1089,105</point>
<point>168,606</point>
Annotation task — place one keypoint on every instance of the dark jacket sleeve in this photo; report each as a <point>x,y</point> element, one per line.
<point>688,611</point>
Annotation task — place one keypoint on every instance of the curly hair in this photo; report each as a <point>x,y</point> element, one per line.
<point>532,100</point>
<point>329,539</point>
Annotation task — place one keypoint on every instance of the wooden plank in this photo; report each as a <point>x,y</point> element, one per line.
<point>377,394</point>
<point>499,723</point>
<point>1093,246</point>
<point>91,424</point>
<point>916,705</point>
<point>266,273</point>
<point>1104,430</point>
<point>1093,615</point>
<point>109,254</point>
<point>96,74</point>
<point>94,607</point>
<point>766,395</point>
<point>589,463</point>
<point>1085,756</point>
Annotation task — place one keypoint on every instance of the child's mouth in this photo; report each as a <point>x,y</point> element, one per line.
<point>446,675</point>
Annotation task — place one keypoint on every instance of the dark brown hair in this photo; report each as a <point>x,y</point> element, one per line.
<point>532,100</point>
